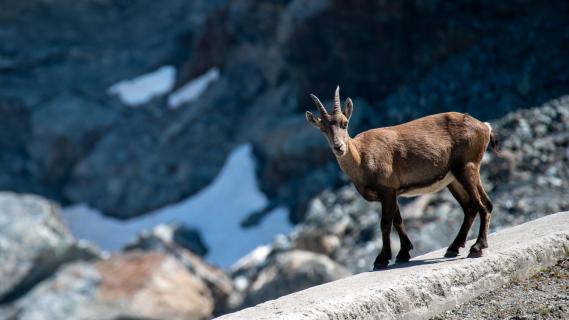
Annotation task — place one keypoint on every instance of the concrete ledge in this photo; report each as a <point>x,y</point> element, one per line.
<point>429,284</point>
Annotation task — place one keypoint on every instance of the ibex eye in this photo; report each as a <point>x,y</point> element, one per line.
<point>344,125</point>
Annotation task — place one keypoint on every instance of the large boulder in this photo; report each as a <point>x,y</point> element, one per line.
<point>291,271</point>
<point>33,243</point>
<point>163,239</point>
<point>129,286</point>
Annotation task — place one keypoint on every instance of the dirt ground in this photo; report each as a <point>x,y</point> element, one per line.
<point>544,296</point>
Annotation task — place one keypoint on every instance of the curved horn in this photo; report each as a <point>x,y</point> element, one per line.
<point>337,108</point>
<point>319,104</point>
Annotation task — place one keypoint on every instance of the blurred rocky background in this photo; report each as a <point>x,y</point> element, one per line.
<point>130,107</point>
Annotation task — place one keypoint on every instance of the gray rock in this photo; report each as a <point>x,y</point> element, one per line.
<point>314,241</point>
<point>292,271</point>
<point>33,243</point>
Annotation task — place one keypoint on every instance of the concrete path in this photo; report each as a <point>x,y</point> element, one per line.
<point>429,284</point>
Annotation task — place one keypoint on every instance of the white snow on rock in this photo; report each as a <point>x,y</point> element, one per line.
<point>193,89</point>
<point>216,211</point>
<point>140,90</point>
<point>255,257</point>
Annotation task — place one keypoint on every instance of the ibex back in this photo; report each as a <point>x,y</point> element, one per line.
<point>422,156</point>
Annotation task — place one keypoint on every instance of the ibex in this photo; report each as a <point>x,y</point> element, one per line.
<point>411,159</point>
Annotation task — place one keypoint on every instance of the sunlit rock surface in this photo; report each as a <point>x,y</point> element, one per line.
<point>131,285</point>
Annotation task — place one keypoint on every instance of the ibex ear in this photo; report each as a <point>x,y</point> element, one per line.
<point>348,108</point>
<point>312,119</point>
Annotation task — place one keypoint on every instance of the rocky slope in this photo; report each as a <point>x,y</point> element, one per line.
<point>397,60</point>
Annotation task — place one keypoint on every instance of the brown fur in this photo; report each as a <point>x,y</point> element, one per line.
<point>441,150</point>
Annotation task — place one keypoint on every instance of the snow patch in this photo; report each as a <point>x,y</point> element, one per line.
<point>216,211</point>
<point>193,89</point>
<point>140,90</point>
<point>255,257</point>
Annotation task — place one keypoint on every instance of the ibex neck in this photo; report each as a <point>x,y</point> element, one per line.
<point>351,161</point>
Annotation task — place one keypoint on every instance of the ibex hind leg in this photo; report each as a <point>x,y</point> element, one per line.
<point>484,196</point>
<point>469,178</point>
<point>470,209</point>
<point>485,215</point>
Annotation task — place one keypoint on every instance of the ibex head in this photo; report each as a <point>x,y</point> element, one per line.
<point>335,125</point>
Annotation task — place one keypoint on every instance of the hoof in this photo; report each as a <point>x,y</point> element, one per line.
<point>402,259</point>
<point>451,254</point>
<point>475,254</point>
<point>379,266</point>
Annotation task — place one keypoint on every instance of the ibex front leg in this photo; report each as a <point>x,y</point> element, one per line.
<point>388,208</point>
<point>405,242</point>
<point>470,209</point>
